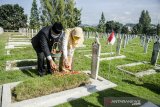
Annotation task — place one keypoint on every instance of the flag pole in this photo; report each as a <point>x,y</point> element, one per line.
<point>111,40</point>
<point>110,61</point>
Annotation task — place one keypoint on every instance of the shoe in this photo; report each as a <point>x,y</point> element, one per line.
<point>49,71</point>
<point>41,74</point>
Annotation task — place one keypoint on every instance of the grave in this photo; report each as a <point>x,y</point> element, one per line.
<point>10,67</point>
<point>55,98</point>
<point>137,74</point>
<point>109,56</point>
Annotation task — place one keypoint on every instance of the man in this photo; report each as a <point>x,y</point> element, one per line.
<point>42,44</point>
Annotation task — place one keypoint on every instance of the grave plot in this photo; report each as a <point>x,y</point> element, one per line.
<point>17,42</point>
<point>52,99</point>
<point>138,69</point>
<point>21,64</point>
<point>107,56</point>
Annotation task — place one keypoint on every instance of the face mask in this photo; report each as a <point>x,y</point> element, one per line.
<point>53,36</point>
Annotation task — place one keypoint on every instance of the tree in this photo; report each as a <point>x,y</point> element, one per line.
<point>116,26</point>
<point>101,25</point>
<point>125,30</point>
<point>158,29</point>
<point>34,18</point>
<point>70,13</point>
<point>89,29</point>
<point>61,10</point>
<point>145,21</point>
<point>12,17</point>
<point>77,17</point>
<point>137,29</point>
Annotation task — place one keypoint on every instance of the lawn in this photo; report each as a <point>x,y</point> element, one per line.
<point>128,86</point>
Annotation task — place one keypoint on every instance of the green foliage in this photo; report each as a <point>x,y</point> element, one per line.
<point>89,29</point>
<point>137,29</point>
<point>116,26</point>
<point>34,18</point>
<point>158,29</point>
<point>77,16</point>
<point>101,25</point>
<point>12,17</point>
<point>63,11</point>
<point>49,84</point>
<point>152,82</point>
<point>125,30</point>
<point>145,21</point>
<point>138,68</point>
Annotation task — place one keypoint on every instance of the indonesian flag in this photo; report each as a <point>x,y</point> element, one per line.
<point>111,38</point>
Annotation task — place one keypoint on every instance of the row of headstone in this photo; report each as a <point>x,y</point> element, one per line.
<point>28,32</point>
<point>145,39</point>
<point>1,30</point>
<point>96,48</point>
<point>93,35</point>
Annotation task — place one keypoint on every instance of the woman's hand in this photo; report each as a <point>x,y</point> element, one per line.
<point>66,64</point>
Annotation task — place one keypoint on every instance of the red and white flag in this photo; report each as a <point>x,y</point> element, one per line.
<point>111,38</point>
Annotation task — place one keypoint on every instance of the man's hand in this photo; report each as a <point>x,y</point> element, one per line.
<point>53,65</point>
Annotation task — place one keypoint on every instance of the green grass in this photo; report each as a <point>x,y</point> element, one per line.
<point>24,63</point>
<point>152,82</point>
<point>128,85</point>
<point>138,68</point>
<point>15,36</point>
<point>109,55</point>
<point>49,84</point>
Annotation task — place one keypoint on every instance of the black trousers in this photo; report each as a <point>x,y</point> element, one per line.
<point>41,63</point>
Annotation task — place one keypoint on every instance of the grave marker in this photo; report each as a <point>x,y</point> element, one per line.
<point>119,42</point>
<point>96,49</point>
<point>146,44</point>
<point>155,53</point>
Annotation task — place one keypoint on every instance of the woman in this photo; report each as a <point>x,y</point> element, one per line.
<point>73,39</point>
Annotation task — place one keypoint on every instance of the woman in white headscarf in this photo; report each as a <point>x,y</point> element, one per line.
<point>73,39</point>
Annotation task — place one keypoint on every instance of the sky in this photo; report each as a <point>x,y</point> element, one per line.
<point>123,11</point>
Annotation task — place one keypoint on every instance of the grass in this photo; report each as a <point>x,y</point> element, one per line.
<point>152,82</point>
<point>24,63</point>
<point>49,84</point>
<point>138,68</point>
<point>128,86</point>
<point>108,55</point>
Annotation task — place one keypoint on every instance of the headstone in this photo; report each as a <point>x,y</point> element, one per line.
<point>119,42</point>
<point>0,95</point>
<point>125,40</point>
<point>96,49</point>
<point>146,44</point>
<point>32,33</point>
<point>142,37</point>
<point>155,53</point>
<point>1,30</point>
<point>88,34</point>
